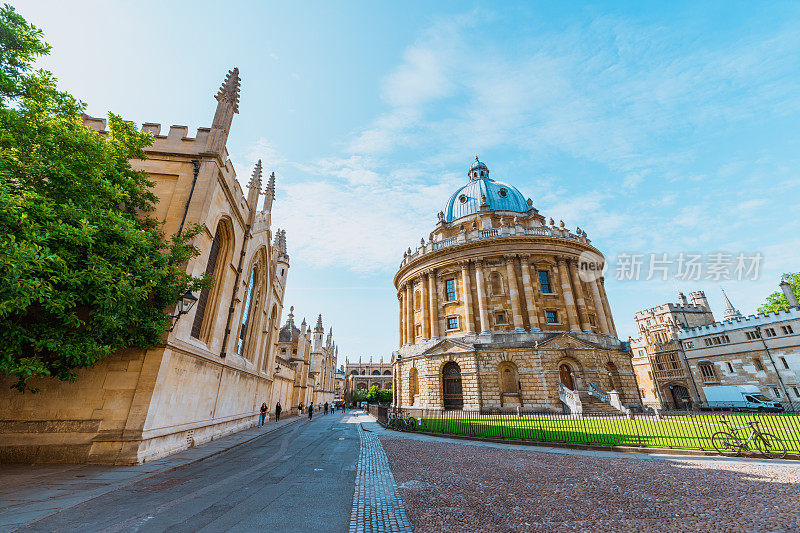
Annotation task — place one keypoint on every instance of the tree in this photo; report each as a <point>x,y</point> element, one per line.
<point>378,395</point>
<point>777,300</point>
<point>359,396</point>
<point>84,269</point>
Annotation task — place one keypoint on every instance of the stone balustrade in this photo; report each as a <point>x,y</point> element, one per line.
<point>475,234</point>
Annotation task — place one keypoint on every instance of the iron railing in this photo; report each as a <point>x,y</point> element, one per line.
<point>679,430</point>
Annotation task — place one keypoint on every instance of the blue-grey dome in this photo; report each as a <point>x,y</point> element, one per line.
<point>499,196</point>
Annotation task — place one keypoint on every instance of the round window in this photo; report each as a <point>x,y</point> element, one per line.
<point>462,199</point>
<point>503,192</point>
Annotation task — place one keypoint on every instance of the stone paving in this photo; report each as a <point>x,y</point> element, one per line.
<point>32,492</point>
<point>377,506</point>
<point>465,487</point>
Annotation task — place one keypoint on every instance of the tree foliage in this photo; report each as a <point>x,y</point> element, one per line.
<point>777,300</point>
<point>373,395</point>
<point>84,269</point>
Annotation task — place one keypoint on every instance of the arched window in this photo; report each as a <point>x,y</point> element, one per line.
<point>376,372</point>
<point>207,302</point>
<point>248,315</point>
<point>387,373</point>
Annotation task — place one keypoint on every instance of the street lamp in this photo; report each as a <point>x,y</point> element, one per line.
<point>183,306</point>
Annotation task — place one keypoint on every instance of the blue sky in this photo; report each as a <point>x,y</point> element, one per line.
<point>656,127</point>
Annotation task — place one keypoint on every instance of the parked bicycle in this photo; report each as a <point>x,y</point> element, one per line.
<point>730,444</point>
<point>402,422</point>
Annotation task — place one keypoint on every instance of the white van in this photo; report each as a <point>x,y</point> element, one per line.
<point>739,398</point>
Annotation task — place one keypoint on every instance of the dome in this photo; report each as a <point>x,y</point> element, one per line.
<point>499,196</point>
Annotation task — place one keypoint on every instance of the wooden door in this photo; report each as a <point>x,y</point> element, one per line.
<point>566,376</point>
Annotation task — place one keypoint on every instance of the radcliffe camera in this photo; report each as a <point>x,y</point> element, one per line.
<point>414,267</point>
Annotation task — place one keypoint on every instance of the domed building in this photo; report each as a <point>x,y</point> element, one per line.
<point>501,308</point>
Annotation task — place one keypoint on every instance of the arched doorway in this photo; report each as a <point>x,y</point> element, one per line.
<point>680,397</point>
<point>451,386</point>
<point>565,375</point>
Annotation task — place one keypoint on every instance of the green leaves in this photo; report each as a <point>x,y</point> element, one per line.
<point>83,270</point>
<point>777,300</point>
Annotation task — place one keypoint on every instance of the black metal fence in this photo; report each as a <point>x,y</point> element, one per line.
<point>684,430</point>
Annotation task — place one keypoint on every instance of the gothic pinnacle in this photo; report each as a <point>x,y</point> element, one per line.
<point>229,90</point>
<point>270,190</point>
<point>255,180</point>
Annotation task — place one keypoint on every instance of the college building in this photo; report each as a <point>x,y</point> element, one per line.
<point>213,370</point>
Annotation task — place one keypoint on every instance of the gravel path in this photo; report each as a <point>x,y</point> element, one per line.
<point>454,487</point>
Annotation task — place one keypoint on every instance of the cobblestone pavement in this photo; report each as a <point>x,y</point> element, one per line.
<point>377,507</point>
<point>466,487</point>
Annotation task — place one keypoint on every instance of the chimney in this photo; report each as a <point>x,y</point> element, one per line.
<point>789,293</point>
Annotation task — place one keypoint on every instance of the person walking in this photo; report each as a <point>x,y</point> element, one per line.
<point>300,408</point>
<point>278,412</point>
<point>310,411</point>
<point>263,415</point>
<point>326,408</point>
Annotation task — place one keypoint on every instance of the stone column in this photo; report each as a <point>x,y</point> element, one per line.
<point>401,301</point>
<point>513,293</point>
<point>467,290</point>
<point>580,300</point>
<point>481,286</point>
<point>433,303</point>
<point>533,313</point>
<point>599,308</point>
<point>409,313</point>
<point>569,301</point>
<point>423,302</point>
<point>607,307</point>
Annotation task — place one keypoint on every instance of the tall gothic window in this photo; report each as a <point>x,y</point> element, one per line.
<point>211,268</point>
<point>246,315</point>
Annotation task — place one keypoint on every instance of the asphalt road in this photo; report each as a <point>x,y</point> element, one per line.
<point>298,478</point>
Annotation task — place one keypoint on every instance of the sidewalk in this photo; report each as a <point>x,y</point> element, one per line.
<point>31,492</point>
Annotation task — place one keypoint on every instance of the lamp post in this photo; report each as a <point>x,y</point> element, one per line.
<point>183,306</point>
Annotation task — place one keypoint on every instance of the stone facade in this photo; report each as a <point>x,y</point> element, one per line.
<point>218,364</point>
<point>658,361</point>
<point>362,376</point>
<point>761,350</point>
<point>499,308</point>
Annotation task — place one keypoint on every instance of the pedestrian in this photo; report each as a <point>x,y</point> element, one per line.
<point>310,411</point>
<point>278,412</point>
<point>263,414</point>
<point>326,408</point>
<point>300,408</point>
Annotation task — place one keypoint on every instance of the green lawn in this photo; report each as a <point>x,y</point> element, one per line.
<point>680,432</point>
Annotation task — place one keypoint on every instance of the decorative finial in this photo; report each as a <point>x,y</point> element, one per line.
<point>476,158</point>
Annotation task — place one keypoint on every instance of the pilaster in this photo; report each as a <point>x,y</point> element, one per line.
<point>481,286</point>
<point>533,313</point>
<point>433,303</point>
<point>467,290</point>
<point>513,293</point>
<point>566,289</point>
<point>580,300</point>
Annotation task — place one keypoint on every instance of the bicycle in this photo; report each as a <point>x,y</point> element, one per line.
<point>730,444</point>
<point>402,422</point>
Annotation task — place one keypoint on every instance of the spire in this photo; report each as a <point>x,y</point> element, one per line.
<point>281,235</point>
<point>254,188</point>
<point>227,105</point>
<point>319,327</point>
<point>730,312</point>
<point>277,239</point>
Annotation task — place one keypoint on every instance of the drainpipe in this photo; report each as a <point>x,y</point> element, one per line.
<point>775,367</point>
<point>195,172</point>
<point>235,291</point>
